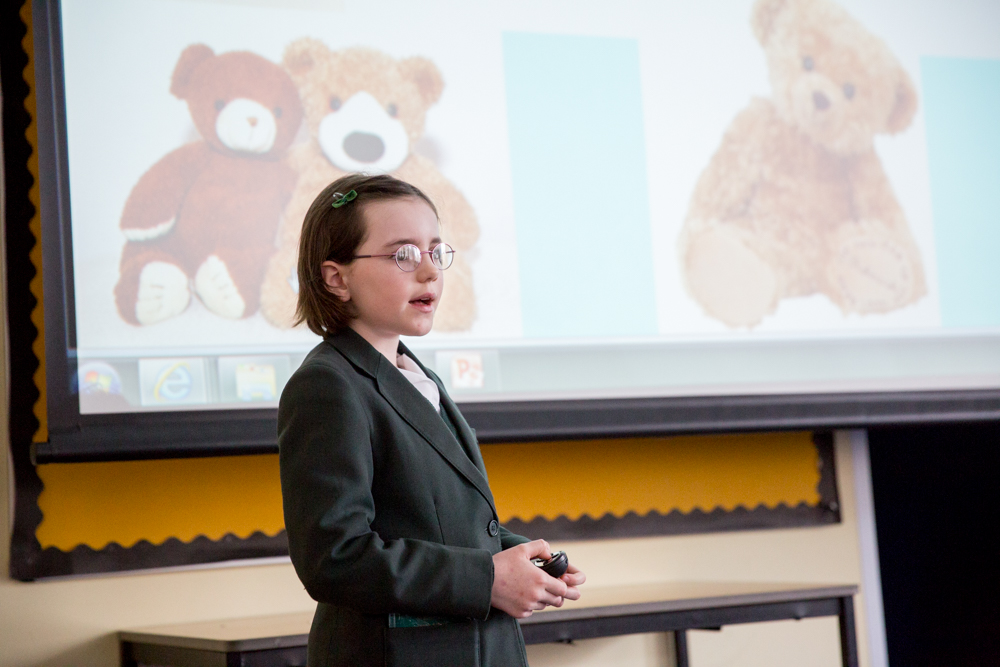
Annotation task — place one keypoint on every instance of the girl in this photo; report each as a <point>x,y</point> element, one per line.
<point>390,520</point>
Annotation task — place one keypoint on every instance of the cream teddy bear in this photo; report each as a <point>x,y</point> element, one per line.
<point>365,111</point>
<point>795,201</point>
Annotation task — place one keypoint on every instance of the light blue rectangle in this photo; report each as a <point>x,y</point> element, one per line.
<point>962,115</point>
<point>581,207</point>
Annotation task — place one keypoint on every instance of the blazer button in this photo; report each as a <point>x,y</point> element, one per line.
<point>493,528</point>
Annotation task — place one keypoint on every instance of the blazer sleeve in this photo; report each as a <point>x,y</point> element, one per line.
<point>324,441</point>
<point>509,539</point>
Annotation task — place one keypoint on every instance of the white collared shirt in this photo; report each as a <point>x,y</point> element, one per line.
<point>426,386</point>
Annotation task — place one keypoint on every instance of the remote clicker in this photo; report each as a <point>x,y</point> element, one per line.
<point>555,566</point>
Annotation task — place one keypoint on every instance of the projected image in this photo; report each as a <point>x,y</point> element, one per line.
<point>666,199</point>
<point>795,200</point>
<point>365,111</point>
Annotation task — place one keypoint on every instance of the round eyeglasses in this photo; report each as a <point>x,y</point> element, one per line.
<point>409,256</point>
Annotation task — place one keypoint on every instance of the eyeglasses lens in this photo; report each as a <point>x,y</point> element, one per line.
<point>408,258</point>
<point>442,256</point>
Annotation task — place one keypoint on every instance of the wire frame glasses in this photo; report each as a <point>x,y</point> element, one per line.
<point>409,256</point>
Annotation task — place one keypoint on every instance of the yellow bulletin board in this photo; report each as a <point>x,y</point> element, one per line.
<point>661,486</point>
<point>123,515</point>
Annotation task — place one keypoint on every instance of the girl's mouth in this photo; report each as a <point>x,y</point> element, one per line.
<point>424,302</point>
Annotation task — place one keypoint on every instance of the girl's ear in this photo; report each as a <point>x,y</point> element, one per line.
<point>333,277</point>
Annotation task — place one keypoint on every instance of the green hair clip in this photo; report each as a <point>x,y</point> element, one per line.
<point>339,199</point>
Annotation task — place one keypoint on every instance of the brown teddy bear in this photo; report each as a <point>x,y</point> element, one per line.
<point>795,201</point>
<point>365,111</point>
<point>204,217</point>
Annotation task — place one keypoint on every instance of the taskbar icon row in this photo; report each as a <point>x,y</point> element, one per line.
<point>150,383</point>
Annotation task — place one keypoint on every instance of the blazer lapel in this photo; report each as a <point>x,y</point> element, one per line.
<point>421,415</point>
<point>466,436</point>
<point>415,409</point>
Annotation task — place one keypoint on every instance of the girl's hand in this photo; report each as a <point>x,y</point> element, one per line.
<point>520,587</point>
<point>573,578</point>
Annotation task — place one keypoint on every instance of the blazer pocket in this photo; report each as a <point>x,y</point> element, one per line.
<point>451,645</point>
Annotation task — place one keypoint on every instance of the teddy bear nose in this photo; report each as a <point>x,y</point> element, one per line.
<point>821,101</point>
<point>364,147</point>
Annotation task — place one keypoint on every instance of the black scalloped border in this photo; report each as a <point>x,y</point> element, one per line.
<point>144,555</point>
<point>19,241</point>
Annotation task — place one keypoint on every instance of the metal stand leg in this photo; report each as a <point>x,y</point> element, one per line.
<point>125,652</point>
<point>848,640</point>
<point>681,647</point>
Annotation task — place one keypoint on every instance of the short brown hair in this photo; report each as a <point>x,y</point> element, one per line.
<point>335,234</point>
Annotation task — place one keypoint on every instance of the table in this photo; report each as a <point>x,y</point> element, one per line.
<point>680,606</point>
<point>260,641</point>
<point>603,612</point>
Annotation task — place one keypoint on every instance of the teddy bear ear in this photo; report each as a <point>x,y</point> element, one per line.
<point>763,17</point>
<point>191,57</point>
<point>426,76</point>
<point>302,55</point>
<point>905,106</point>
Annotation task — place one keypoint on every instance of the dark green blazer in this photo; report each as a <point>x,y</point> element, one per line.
<point>387,512</point>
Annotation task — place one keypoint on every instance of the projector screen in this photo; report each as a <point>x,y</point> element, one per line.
<point>647,200</point>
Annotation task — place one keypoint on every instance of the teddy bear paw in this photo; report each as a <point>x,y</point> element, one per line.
<point>871,274</point>
<point>216,289</point>
<point>731,282</point>
<point>163,293</point>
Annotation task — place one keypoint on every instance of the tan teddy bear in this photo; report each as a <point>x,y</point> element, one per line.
<point>365,111</point>
<point>795,201</point>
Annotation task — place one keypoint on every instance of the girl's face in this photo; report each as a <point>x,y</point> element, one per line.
<point>388,301</point>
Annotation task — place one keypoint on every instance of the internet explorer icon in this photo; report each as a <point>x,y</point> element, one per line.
<point>177,381</point>
<point>174,383</point>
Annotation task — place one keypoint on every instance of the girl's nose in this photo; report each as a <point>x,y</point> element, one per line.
<point>427,272</point>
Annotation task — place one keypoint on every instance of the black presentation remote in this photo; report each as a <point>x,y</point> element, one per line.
<point>555,566</point>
